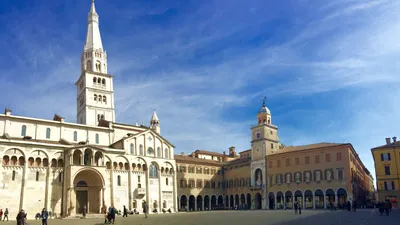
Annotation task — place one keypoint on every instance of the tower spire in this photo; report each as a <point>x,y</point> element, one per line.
<point>93,38</point>
<point>265,99</point>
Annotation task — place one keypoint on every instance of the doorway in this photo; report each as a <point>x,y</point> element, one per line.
<point>81,201</point>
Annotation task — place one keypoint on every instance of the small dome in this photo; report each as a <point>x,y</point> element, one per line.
<point>264,109</point>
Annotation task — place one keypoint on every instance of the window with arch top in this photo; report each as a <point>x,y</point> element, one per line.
<point>119,180</point>
<point>141,150</point>
<point>23,130</point>
<point>97,138</point>
<point>89,65</point>
<point>166,153</point>
<point>153,173</point>
<point>103,82</point>
<point>131,148</point>
<point>48,132</point>
<point>75,136</point>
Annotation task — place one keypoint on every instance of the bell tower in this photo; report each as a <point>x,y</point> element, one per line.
<point>95,91</point>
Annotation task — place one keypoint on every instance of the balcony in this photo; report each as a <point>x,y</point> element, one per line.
<point>140,192</point>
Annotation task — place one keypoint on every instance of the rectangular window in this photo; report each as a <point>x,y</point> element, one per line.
<point>182,169</point>
<point>340,174</point>
<point>287,162</point>
<point>272,146</point>
<point>199,184</point>
<point>60,177</point>
<point>328,157</point>
<point>37,176</point>
<point>258,135</point>
<point>385,157</point>
<point>138,179</point>
<point>297,161</point>
<point>198,170</point>
<point>48,133</point>
<point>317,159</point>
<point>207,184</point>
<point>278,163</point>
<point>191,169</point>
<point>387,170</point>
<point>97,138</point>
<point>338,156</point>
<point>393,188</point>
<point>270,164</point>
<point>389,185</point>
<point>307,160</point>
<point>13,175</point>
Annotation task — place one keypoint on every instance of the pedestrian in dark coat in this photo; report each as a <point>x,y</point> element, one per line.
<point>20,217</point>
<point>348,206</point>
<point>44,216</point>
<point>381,208</point>
<point>145,209</point>
<point>125,212</point>
<point>295,207</point>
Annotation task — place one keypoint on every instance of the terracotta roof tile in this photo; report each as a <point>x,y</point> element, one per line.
<point>208,153</point>
<point>188,159</point>
<point>307,147</point>
<point>391,145</point>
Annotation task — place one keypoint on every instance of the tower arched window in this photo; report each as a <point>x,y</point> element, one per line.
<point>166,181</point>
<point>94,80</point>
<point>104,99</point>
<point>100,98</point>
<point>159,152</point>
<point>95,97</point>
<point>166,153</point>
<point>23,130</point>
<point>131,148</point>
<point>97,138</point>
<point>98,66</point>
<point>103,82</point>
<point>89,65</point>
<point>119,180</point>
<point>75,136</point>
<point>37,176</point>
<point>48,133</point>
<point>99,81</point>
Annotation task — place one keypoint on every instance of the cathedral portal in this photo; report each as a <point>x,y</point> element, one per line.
<point>88,190</point>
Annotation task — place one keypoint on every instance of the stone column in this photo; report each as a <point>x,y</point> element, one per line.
<point>23,183</point>
<point>324,201</point>
<point>175,192</point>
<point>47,188</point>
<point>303,204</point>
<point>195,204</point>
<point>112,183</point>
<point>276,203</point>
<point>313,201</point>
<point>179,202</point>
<point>202,204</point>
<point>159,191</point>
<point>130,187</point>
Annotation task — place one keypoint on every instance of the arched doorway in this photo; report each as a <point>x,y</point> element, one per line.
<point>213,202</point>
<point>280,201</point>
<point>237,200</point>
<point>258,200</point>
<point>342,197</point>
<point>329,196</point>
<point>231,203</point>
<point>309,199</point>
<point>199,202</point>
<point>298,196</point>
<point>248,200</point>
<point>206,202</point>
<point>220,200</point>
<point>183,202</point>
<point>226,201</point>
<point>271,200</point>
<point>289,199</point>
<point>192,203</point>
<point>88,190</point>
<point>242,199</point>
<point>319,199</point>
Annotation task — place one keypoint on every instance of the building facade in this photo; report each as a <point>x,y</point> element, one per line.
<point>387,162</point>
<point>271,175</point>
<point>95,162</point>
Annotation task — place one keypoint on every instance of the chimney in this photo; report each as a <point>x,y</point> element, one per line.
<point>387,141</point>
<point>394,139</point>
<point>182,154</point>
<point>7,111</point>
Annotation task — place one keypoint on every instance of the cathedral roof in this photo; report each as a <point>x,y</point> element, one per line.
<point>154,117</point>
<point>264,108</point>
<point>93,38</point>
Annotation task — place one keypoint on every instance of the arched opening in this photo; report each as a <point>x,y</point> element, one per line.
<point>237,200</point>
<point>87,160</point>
<point>89,67</point>
<point>271,200</point>
<point>192,203</point>
<point>60,163</point>
<point>98,159</point>
<point>231,201</point>
<point>220,200</point>
<point>183,202</point>
<point>280,201</point>
<point>166,155</point>
<point>308,199</point>
<point>342,197</point>
<point>88,185</point>
<point>103,82</point>
<point>330,196</point>
<point>289,199</point>
<point>248,200</point>
<point>258,178</point>
<point>258,199</point>
<point>199,202</point>
<point>226,201</point>
<point>6,160</point>
<point>319,199</point>
<point>76,157</point>
<point>38,162</point>
<point>21,161</point>
<point>206,202</point>
<point>242,200</point>
<point>153,171</point>
<point>53,163</point>
<point>213,202</point>
<point>14,161</point>
<point>298,196</point>
<point>31,162</point>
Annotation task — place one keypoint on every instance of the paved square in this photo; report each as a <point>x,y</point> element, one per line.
<point>309,217</point>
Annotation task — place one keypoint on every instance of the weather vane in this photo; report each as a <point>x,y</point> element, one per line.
<point>265,99</point>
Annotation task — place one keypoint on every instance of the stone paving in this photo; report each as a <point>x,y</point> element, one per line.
<point>309,217</point>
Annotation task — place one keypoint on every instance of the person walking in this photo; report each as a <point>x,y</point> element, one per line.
<point>145,209</point>
<point>381,208</point>
<point>354,205</point>
<point>125,212</point>
<point>44,215</point>
<point>348,206</point>
<point>5,214</point>
<point>1,214</point>
<point>112,212</point>
<point>84,212</point>
<point>21,217</point>
<point>296,204</point>
<point>299,206</point>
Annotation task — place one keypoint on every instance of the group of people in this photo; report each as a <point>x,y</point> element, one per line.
<point>351,206</point>
<point>297,207</point>
<point>21,217</point>
<point>111,212</point>
<point>385,207</point>
<point>5,213</point>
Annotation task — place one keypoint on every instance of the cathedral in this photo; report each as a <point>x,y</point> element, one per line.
<point>94,163</point>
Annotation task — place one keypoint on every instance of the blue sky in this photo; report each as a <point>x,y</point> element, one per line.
<point>329,70</point>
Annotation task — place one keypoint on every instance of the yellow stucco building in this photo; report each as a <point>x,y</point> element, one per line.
<point>387,162</point>
<point>271,175</point>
